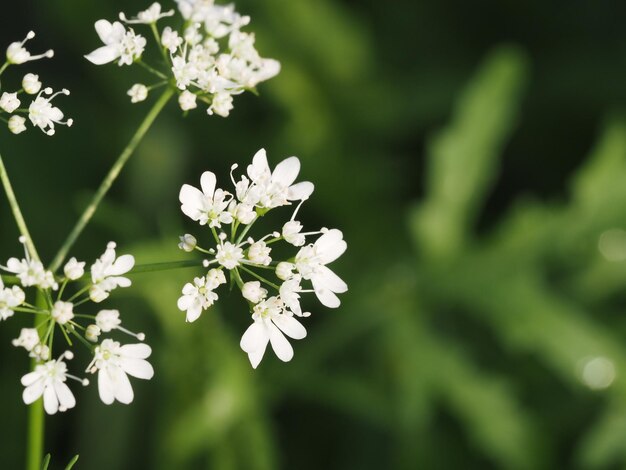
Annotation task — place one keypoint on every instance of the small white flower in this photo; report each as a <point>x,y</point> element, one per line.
<point>229,255</point>
<point>107,320</point>
<point>62,312</point>
<point>118,44</point>
<point>40,352</point>
<point>92,333</point>
<point>17,124</point>
<point>31,273</point>
<point>244,213</point>
<point>43,115</point>
<point>187,242</point>
<point>10,297</point>
<point>187,100</point>
<point>215,278</point>
<point>114,364</point>
<point>259,253</point>
<point>106,273</point>
<point>269,325</point>
<point>284,270</point>
<point>17,53</point>
<point>221,105</point>
<point>9,102</point>
<point>49,380</point>
<point>151,15</point>
<point>74,269</point>
<point>291,233</point>
<point>311,263</point>
<point>138,93</point>
<point>199,296</point>
<point>170,39</point>
<point>207,206</point>
<point>31,83</point>
<point>28,339</point>
<point>289,293</point>
<point>253,292</point>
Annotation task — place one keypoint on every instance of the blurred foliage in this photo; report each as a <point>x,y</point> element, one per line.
<point>481,191</point>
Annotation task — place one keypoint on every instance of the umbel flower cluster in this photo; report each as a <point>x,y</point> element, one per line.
<point>40,112</point>
<point>206,58</point>
<point>59,314</point>
<point>271,288</point>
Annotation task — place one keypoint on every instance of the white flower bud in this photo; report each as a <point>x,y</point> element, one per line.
<point>291,233</point>
<point>187,242</point>
<point>253,291</point>
<point>74,269</point>
<point>31,83</point>
<point>221,105</point>
<point>92,333</point>
<point>138,93</point>
<point>170,39</point>
<point>9,102</point>
<point>108,320</point>
<point>214,278</point>
<point>62,312</point>
<point>28,339</point>
<point>284,270</point>
<point>259,253</point>
<point>40,352</point>
<point>17,124</point>
<point>187,100</point>
<point>245,213</point>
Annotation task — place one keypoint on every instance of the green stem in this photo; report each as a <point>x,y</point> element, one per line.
<point>110,178</point>
<point>260,278</point>
<point>17,213</point>
<point>152,267</point>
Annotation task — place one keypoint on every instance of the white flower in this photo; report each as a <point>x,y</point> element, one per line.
<point>170,39</point>
<point>289,293</point>
<point>244,213</point>
<point>207,206</point>
<point>151,15</point>
<point>31,273</point>
<point>92,333</point>
<point>187,100</point>
<point>43,115</point>
<point>259,253</point>
<point>253,292</point>
<point>284,270</point>
<point>17,53</point>
<point>62,312</point>
<point>138,93</point>
<point>187,242</point>
<point>221,105</point>
<point>28,339</point>
<point>49,380</point>
<point>107,320</point>
<point>118,44</point>
<point>269,325</point>
<point>74,269</point>
<point>40,352</point>
<point>10,297</point>
<point>229,255</point>
<point>273,189</point>
<point>199,296</point>
<point>17,124</point>
<point>311,263</point>
<point>106,273</point>
<point>31,83</point>
<point>9,102</point>
<point>291,233</point>
<point>114,363</point>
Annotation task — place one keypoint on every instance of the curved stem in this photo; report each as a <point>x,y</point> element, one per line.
<point>17,213</point>
<point>110,178</point>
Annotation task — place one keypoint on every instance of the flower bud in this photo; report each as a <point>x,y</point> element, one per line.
<point>259,253</point>
<point>187,242</point>
<point>291,233</point>
<point>138,93</point>
<point>28,339</point>
<point>17,124</point>
<point>92,333</point>
<point>73,269</point>
<point>284,270</point>
<point>40,352</point>
<point>187,100</point>
<point>62,312</point>
<point>253,291</point>
<point>9,102</point>
<point>31,83</point>
<point>108,320</point>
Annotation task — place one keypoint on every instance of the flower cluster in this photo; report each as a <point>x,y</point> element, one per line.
<point>209,59</point>
<point>274,304</point>
<point>40,112</point>
<point>112,361</point>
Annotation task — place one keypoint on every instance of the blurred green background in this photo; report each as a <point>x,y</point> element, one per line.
<point>473,153</point>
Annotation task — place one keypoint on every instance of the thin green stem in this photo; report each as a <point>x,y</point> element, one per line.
<point>152,267</point>
<point>4,67</point>
<point>17,213</point>
<point>260,278</point>
<point>151,69</point>
<point>110,178</point>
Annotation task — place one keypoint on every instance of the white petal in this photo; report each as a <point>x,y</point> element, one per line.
<point>327,297</point>
<point>50,400</point>
<point>138,368</point>
<point>30,378</point>
<point>104,29</point>
<point>290,326</point>
<point>255,338</point>
<point>123,390</point>
<point>286,171</point>
<point>136,351</point>
<point>300,191</point>
<point>193,313</point>
<point>256,356</point>
<point>66,397</point>
<point>103,55</point>
<point>191,201</point>
<point>330,246</point>
<point>105,387</point>
<point>121,281</point>
<point>259,165</point>
<point>33,392</point>
<point>207,183</point>
<point>280,345</point>
<point>325,278</point>
<point>122,265</point>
